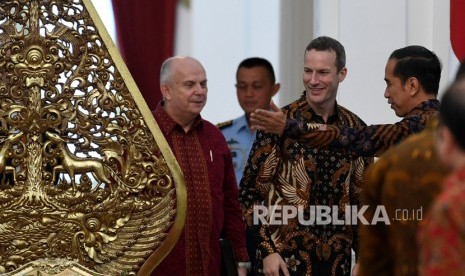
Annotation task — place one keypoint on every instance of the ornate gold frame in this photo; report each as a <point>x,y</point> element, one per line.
<point>85,172</point>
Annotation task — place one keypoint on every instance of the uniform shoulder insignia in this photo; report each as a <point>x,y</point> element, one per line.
<point>225,124</point>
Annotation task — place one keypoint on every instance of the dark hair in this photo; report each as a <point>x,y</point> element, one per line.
<point>258,62</point>
<point>452,111</point>
<point>418,62</point>
<point>325,43</point>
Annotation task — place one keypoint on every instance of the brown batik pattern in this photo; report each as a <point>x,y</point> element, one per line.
<point>288,172</point>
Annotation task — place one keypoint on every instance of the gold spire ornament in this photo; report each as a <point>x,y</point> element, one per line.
<point>86,177</point>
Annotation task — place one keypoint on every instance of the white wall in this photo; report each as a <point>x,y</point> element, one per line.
<point>370,31</point>
<point>104,9</point>
<point>221,33</point>
<point>296,32</point>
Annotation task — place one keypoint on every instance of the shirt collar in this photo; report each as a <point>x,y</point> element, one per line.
<point>167,124</point>
<point>432,104</point>
<point>317,118</point>
<point>241,123</point>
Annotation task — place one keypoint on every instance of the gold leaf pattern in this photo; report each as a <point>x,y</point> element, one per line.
<point>85,173</point>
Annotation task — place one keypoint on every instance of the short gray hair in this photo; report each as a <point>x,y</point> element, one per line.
<point>165,72</point>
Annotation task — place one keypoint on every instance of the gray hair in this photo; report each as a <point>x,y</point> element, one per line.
<point>166,73</point>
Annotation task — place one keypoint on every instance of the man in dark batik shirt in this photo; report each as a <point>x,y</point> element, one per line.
<point>412,78</point>
<point>289,174</point>
<point>407,177</point>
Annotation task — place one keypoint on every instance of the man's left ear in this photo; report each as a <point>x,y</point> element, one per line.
<point>342,74</point>
<point>413,86</point>
<point>276,87</point>
<point>165,91</point>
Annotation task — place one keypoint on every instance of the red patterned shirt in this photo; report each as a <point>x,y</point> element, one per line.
<point>212,198</point>
<point>442,234</point>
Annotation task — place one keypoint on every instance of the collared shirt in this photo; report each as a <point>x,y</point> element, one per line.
<point>240,140</point>
<point>284,172</point>
<point>370,140</point>
<point>212,205</point>
<point>441,235</point>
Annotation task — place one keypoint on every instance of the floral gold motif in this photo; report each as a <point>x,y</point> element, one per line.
<point>85,173</point>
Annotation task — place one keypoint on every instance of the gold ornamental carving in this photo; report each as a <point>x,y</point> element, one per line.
<point>85,173</point>
<point>55,267</point>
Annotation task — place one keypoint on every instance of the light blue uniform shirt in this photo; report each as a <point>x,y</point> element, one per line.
<point>240,140</point>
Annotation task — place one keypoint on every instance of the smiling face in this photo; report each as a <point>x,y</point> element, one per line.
<point>396,92</point>
<point>321,79</point>
<point>254,88</point>
<point>185,93</point>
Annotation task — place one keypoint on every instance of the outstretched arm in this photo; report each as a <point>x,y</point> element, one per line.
<point>362,141</point>
<point>270,121</point>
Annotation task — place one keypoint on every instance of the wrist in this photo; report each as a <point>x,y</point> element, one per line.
<point>245,265</point>
<point>291,128</point>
